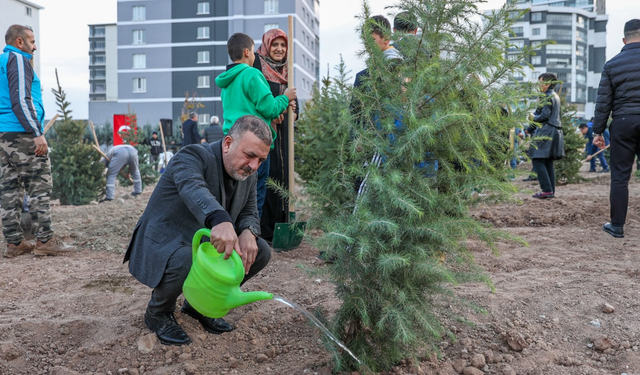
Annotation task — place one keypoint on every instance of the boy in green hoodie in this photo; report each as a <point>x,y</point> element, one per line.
<point>245,91</point>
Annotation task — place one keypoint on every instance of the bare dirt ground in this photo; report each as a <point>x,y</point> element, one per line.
<point>82,313</point>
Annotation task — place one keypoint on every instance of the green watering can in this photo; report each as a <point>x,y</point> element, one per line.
<point>213,284</point>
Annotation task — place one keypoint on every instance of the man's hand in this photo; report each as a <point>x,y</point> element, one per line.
<point>589,157</point>
<point>290,93</point>
<point>249,247</point>
<point>224,239</point>
<point>41,145</point>
<point>599,141</point>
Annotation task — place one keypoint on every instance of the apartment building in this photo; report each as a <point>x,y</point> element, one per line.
<point>24,13</point>
<point>168,48</point>
<point>579,29</point>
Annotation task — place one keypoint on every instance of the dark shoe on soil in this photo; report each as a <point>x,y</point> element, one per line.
<point>53,247</point>
<point>592,171</point>
<point>15,250</point>
<point>213,325</point>
<point>105,200</point>
<point>135,194</point>
<point>543,195</point>
<point>166,327</point>
<point>614,230</point>
<point>531,178</point>
<point>604,171</point>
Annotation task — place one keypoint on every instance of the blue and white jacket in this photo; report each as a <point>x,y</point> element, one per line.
<point>21,108</point>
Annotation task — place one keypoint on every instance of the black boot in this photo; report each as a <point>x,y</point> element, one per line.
<point>213,325</point>
<point>166,328</point>
<point>616,231</point>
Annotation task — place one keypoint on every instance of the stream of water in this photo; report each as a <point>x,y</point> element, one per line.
<point>315,320</point>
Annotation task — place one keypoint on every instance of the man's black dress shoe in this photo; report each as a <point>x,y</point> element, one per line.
<point>166,328</point>
<point>213,325</point>
<point>614,230</point>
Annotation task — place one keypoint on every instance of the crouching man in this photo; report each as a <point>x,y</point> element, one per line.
<point>205,185</point>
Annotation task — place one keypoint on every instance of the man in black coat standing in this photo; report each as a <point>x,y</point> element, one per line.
<point>214,132</point>
<point>205,186</point>
<point>619,95</point>
<point>190,134</point>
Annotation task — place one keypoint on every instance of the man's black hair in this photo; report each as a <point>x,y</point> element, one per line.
<point>583,125</point>
<point>405,22</point>
<point>549,77</point>
<point>632,29</point>
<point>156,133</point>
<point>253,124</point>
<point>379,25</point>
<point>237,44</point>
<point>16,31</point>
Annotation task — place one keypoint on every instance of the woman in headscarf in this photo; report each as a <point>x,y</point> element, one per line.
<point>271,60</point>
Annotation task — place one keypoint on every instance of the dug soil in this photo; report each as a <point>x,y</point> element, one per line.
<point>568,303</point>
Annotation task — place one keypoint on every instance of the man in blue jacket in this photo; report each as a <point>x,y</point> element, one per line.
<point>619,96</point>
<point>190,134</point>
<point>23,149</point>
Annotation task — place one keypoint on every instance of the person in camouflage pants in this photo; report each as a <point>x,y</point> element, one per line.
<point>23,149</point>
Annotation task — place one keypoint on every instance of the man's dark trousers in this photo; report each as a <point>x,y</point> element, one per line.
<point>164,296</point>
<point>625,145</point>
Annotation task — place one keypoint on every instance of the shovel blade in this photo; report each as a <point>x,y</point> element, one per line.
<point>287,236</point>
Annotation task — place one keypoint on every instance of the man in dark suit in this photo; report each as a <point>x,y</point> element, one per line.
<point>619,96</point>
<point>190,134</point>
<point>206,185</point>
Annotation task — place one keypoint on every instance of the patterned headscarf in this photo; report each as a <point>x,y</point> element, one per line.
<point>274,71</point>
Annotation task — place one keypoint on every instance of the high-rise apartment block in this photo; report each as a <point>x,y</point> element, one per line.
<point>168,48</point>
<point>25,13</point>
<point>579,29</point>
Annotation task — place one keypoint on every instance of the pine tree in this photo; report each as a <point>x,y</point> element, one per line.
<point>317,134</point>
<point>135,138</point>
<point>568,168</point>
<point>76,170</point>
<point>428,133</point>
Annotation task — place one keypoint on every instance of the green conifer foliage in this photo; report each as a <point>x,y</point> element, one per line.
<point>400,246</point>
<point>567,169</point>
<point>76,170</point>
<point>136,139</point>
<point>318,138</point>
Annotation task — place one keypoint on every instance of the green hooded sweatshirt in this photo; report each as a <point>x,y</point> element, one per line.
<point>245,91</point>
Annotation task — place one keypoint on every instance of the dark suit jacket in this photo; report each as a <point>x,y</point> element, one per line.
<point>190,134</point>
<point>190,189</point>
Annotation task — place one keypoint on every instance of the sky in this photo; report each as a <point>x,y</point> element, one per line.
<point>64,40</point>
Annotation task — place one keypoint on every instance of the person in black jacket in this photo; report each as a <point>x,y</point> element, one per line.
<point>156,149</point>
<point>190,134</point>
<point>214,132</point>
<point>544,152</point>
<point>619,95</point>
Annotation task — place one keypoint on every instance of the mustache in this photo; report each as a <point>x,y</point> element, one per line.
<point>247,169</point>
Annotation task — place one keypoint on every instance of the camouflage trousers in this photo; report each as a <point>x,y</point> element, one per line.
<point>23,171</point>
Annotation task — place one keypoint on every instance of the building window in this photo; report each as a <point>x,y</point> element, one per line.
<point>99,88</point>
<point>139,61</point>
<point>559,34</point>
<point>559,49</point>
<point>581,64</point>
<point>554,62</point>
<point>138,37</point>
<point>29,11</point>
<point>581,21</point>
<point>98,46</point>
<point>270,6</point>
<point>535,31</point>
<point>581,94</point>
<point>269,26</point>
<point>203,32</point>
<point>203,8</point>
<point>581,79</point>
<point>536,45</point>
<point>98,31</point>
<point>580,50</point>
<point>581,36</point>
<point>536,60</point>
<point>203,57</point>
<point>139,13</point>
<point>139,85</point>
<point>99,60</point>
<point>516,45</point>
<point>536,16</point>
<point>99,74</point>
<point>559,19</point>
<point>203,82</point>
<point>203,119</point>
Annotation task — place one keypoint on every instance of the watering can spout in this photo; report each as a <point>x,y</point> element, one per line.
<point>240,298</point>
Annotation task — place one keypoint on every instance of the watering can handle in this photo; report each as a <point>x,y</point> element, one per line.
<point>207,233</point>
